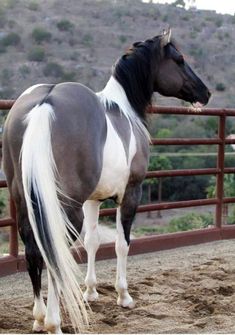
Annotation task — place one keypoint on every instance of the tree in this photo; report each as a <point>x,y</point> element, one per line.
<point>229,191</point>
<point>157,163</point>
<point>179,3</point>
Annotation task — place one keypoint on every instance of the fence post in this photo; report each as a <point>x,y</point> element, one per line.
<point>220,175</point>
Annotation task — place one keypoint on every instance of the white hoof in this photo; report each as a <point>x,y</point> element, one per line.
<point>53,329</point>
<point>56,331</point>
<point>90,296</point>
<point>52,326</point>
<point>38,326</point>
<point>126,302</point>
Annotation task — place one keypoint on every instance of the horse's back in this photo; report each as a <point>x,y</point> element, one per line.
<point>68,99</point>
<point>78,130</point>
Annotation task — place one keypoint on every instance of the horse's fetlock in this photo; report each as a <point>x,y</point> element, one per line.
<point>39,309</point>
<point>38,326</point>
<point>91,282</point>
<point>121,286</point>
<point>52,326</point>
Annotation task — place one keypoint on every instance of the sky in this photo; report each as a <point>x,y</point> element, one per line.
<point>223,7</point>
<point>220,6</point>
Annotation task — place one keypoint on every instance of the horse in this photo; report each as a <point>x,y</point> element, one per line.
<point>66,149</point>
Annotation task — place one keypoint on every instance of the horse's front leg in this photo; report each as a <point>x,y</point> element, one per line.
<point>91,242</point>
<point>124,219</point>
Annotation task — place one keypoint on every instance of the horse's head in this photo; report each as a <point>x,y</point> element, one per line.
<point>156,65</point>
<point>174,77</point>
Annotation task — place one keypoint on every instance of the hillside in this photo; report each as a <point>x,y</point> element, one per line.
<point>57,40</point>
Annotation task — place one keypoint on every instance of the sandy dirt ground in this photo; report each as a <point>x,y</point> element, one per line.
<point>185,290</point>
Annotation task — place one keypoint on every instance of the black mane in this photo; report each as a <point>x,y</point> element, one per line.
<point>134,71</point>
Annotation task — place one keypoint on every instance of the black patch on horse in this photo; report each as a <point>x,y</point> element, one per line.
<point>134,72</point>
<point>43,231</point>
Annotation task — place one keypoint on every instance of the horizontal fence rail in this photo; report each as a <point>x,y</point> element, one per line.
<point>14,262</point>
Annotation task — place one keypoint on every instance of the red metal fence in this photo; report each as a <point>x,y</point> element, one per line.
<point>15,262</point>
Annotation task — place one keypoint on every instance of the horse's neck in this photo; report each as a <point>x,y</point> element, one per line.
<point>113,93</point>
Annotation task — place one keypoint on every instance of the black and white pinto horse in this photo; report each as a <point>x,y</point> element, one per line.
<point>66,149</point>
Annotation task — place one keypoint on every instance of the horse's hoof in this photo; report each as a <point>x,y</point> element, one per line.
<point>53,329</point>
<point>126,302</point>
<point>58,331</point>
<point>90,297</point>
<point>38,327</point>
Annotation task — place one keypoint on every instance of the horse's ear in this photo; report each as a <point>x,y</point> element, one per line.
<point>166,37</point>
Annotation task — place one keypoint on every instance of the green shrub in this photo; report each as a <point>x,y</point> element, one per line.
<point>232,18</point>
<point>196,52</point>
<point>219,22</point>
<point>37,54</point>
<point>3,19</point>
<point>7,93</point>
<point>2,49</point>
<point>193,34</point>
<point>40,35</point>
<point>11,3</point>
<point>68,76</point>
<point>53,70</point>
<point>185,18</point>
<point>190,221</point>
<point>220,87</point>
<point>231,215</point>
<point>220,35</point>
<point>184,223</point>
<point>24,70</point>
<point>11,24</point>
<point>87,39</point>
<point>10,39</point>
<point>123,39</point>
<point>109,203</point>
<point>148,230</point>
<point>65,25</point>
<point>6,76</point>
<point>164,133</point>
<point>33,5</point>
<point>3,202</point>
<point>165,18</point>
<point>74,56</point>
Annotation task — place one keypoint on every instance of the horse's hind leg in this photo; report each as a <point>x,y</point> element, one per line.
<point>52,319</point>
<point>92,242</point>
<point>34,263</point>
<point>124,219</point>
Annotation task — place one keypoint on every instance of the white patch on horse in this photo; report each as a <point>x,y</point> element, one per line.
<point>52,319</point>
<point>39,312</point>
<point>116,170</point>
<point>122,248</point>
<point>114,92</point>
<point>91,242</point>
<point>30,89</point>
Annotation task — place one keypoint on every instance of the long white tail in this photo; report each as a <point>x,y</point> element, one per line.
<point>47,218</point>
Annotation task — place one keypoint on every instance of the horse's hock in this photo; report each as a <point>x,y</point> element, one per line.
<point>13,261</point>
